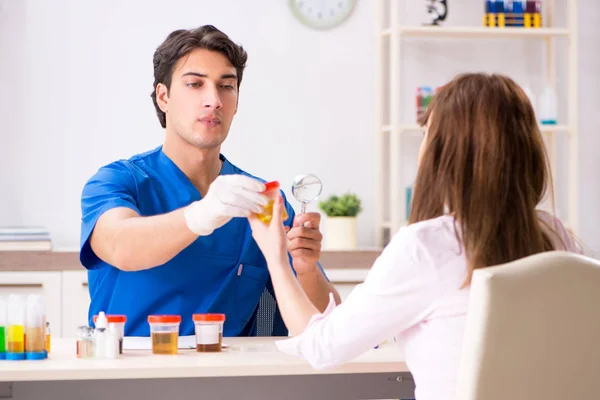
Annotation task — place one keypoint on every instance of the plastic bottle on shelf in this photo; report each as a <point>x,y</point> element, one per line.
<point>547,107</point>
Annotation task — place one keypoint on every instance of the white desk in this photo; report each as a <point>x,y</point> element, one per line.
<point>251,368</point>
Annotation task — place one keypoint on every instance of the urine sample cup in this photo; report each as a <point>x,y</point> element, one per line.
<point>164,330</point>
<point>119,322</point>
<point>35,328</point>
<point>15,336</point>
<point>209,332</point>
<point>271,191</point>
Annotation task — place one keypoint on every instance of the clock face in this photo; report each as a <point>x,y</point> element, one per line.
<point>322,14</point>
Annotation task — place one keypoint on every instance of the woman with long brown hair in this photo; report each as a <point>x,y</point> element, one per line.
<point>483,171</point>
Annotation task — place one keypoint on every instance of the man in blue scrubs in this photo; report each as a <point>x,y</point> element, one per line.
<point>165,232</point>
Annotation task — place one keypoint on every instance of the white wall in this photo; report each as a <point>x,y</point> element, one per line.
<point>12,38</point>
<point>589,125</point>
<point>81,75</point>
<point>88,72</point>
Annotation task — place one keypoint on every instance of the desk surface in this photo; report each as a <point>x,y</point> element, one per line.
<point>245,357</point>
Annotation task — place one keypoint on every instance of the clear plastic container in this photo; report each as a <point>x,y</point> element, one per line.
<point>85,342</point>
<point>164,330</point>
<point>548,107</point>
<point>35,328</point>
<point>15,336</point>
<point>271,191</point>
<point>119,322</point>
<point>209,332</point>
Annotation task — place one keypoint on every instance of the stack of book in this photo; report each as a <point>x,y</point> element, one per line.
<point>22,238</point>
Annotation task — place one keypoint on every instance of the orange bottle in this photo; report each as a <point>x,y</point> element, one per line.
<point>271,191</point>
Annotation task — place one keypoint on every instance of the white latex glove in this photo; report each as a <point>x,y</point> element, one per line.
<point>228,196</point>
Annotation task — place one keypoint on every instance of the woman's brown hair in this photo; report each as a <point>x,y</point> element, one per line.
<point>485,163</point>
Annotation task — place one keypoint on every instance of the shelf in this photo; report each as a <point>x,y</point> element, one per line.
<point>477,32</point>
<point>418,128</point>
<point>404,128</point>
<point>388,224</point>
<point>394,134</point>
<point>554,128</point>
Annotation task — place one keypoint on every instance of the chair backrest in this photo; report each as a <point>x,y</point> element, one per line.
<point>533,330</point>
<point>265,315</point>
<point>268,317</point>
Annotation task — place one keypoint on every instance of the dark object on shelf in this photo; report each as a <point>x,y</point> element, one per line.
<point>437,11</point>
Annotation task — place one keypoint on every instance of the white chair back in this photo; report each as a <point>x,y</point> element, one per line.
<point>533,330</point>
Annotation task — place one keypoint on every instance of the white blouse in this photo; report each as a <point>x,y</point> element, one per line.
<point>412,293</point>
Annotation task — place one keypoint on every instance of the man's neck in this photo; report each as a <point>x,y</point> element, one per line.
<point>201,166</point>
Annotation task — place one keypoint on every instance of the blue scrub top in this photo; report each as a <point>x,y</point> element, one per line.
<point>221,273</point>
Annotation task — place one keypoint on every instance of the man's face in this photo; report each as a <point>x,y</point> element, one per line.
<point>202,100</point>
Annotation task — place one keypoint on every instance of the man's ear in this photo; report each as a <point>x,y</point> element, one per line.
<point>162,97</point>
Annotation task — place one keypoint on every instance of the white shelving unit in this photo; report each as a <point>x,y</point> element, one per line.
<point>390,36</point>
<point>481,32</point>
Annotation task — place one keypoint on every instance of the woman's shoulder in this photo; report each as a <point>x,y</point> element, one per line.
<point>436,229</point>
<point>560,236</point>
<point>433,240</point>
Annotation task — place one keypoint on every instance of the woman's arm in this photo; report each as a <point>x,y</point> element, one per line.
<point>397,294</point>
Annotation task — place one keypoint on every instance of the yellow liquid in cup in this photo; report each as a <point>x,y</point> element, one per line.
<point>267,215</point>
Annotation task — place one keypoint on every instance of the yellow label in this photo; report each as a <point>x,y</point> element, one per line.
<point>486,19</point>
<point>501,20</point>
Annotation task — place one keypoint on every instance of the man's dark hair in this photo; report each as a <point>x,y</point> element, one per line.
<point>180,43</point>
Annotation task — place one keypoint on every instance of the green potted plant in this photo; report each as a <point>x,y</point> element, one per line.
<point>340,227</point>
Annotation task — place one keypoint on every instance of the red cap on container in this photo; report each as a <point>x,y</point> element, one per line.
<point>113,319</point>
<point>161,319</point>
<point>270,186</point>
<point>208,317</point>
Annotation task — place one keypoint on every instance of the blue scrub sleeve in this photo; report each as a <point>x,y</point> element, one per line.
<point>111,187</point>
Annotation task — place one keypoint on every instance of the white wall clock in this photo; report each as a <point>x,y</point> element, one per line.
<point>322,14</point>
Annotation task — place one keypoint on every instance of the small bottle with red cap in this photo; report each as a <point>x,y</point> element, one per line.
<point>271,191</point>
<point>209,332</point>
<point>164,330</point>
